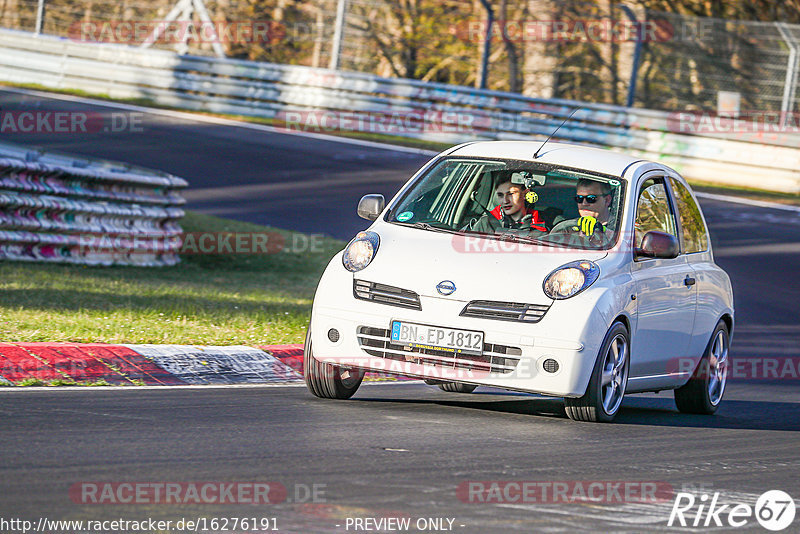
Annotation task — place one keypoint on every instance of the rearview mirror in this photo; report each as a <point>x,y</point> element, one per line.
<point>659,245</point>
<point>370,206</point>
<point>527,179</point>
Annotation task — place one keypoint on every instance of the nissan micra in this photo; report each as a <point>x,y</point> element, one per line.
<point>553,269</point>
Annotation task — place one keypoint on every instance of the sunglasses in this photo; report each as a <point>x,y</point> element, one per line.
<point>590,199</point>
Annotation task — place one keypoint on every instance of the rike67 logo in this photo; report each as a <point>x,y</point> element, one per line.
<point>774,510</point>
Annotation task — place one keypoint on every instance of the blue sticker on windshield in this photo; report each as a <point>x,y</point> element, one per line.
<point>406,215</point>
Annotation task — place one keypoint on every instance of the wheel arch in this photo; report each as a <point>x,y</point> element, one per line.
<point>624,319</point>
<point>727,318</point>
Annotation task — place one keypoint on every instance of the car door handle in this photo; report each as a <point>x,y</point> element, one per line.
<point>689,281</point>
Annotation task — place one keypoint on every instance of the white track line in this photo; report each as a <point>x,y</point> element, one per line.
<point>748,202</point>
<point>346,140</point>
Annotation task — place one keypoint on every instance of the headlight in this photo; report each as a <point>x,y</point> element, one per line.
<point>570,279</point>
<point>360,251</point>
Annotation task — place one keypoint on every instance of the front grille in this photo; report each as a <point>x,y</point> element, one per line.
<point>495,358</point>
<point>505,311</point>
<point>384,294</point>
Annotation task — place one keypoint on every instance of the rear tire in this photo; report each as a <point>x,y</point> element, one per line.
<point>703,392</point>
<point>326,380</point>
<point>609,379</point>
<point>457,387</point>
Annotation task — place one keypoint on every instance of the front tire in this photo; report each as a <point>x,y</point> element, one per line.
<point>609,379</point>
<point>703,393</point>
<point>326,380</point>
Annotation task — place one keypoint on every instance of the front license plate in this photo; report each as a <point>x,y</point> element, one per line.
<point>435,337</point>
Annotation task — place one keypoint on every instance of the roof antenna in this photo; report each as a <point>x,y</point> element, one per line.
<point>536,155</point>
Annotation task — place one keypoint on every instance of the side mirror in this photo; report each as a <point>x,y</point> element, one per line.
<point>659,245</point>
<point>370,206</point>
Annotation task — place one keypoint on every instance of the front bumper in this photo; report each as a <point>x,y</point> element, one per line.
<point>515,353</point>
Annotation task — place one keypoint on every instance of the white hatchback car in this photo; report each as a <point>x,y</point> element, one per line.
<point>566,271</point>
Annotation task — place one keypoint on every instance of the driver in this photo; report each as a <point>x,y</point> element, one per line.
<point>511,212</point>
<point>594,202</point>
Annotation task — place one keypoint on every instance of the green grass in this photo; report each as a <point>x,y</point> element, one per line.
<point>219,299</point>
<point>36,382</point>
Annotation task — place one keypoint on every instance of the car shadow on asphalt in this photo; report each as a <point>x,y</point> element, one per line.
<point>732,414</point>
<point>537,406</point>
<point>647,411</point>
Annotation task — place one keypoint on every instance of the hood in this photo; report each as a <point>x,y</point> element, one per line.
<point>480,268</point>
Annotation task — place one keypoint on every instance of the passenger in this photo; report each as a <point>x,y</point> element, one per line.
<point>594,203</point>
<point>512,212</point>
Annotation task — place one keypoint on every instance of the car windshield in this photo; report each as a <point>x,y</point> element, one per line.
<point>515,199</point>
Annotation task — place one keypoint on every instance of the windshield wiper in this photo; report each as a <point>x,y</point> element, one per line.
<point>427,226</point>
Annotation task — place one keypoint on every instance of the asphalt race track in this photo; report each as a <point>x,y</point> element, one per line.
<point>397,450</point>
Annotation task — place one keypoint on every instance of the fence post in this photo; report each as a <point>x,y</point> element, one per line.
<point>790,84</point>
<point>487,43</point>
<point>39,18</point>
<point>338,35</point>
<point>637,52</point>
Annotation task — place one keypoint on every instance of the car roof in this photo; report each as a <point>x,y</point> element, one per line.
<point>568,155</point>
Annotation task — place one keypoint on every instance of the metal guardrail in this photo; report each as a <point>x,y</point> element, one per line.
<point>761,159</point>
<point>56,209</point>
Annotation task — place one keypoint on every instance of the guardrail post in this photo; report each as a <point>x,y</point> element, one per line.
<point>790,84</point>
<point>338,35</point>
<point>487,41</point>
<point>637,52</point>
<point>39,18</point>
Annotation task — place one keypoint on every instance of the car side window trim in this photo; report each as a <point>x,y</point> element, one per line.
<point>657,175</point>
<point>676,216</point>
<point>681,235</point>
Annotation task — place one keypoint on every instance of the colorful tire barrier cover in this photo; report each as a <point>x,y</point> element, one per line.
<point>86,212</point>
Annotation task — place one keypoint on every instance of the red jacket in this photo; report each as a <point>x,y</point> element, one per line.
<point>537,222</point>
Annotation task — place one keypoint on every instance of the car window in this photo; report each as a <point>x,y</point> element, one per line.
<point>437,198</point>
<point>463,195</point>
<point>653,210</point>
<point>695,236</point>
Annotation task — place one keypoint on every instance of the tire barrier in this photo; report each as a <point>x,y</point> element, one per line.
<point>87,213</point>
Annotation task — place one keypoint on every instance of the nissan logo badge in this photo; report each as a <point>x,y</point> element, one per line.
<point>446,287</point>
